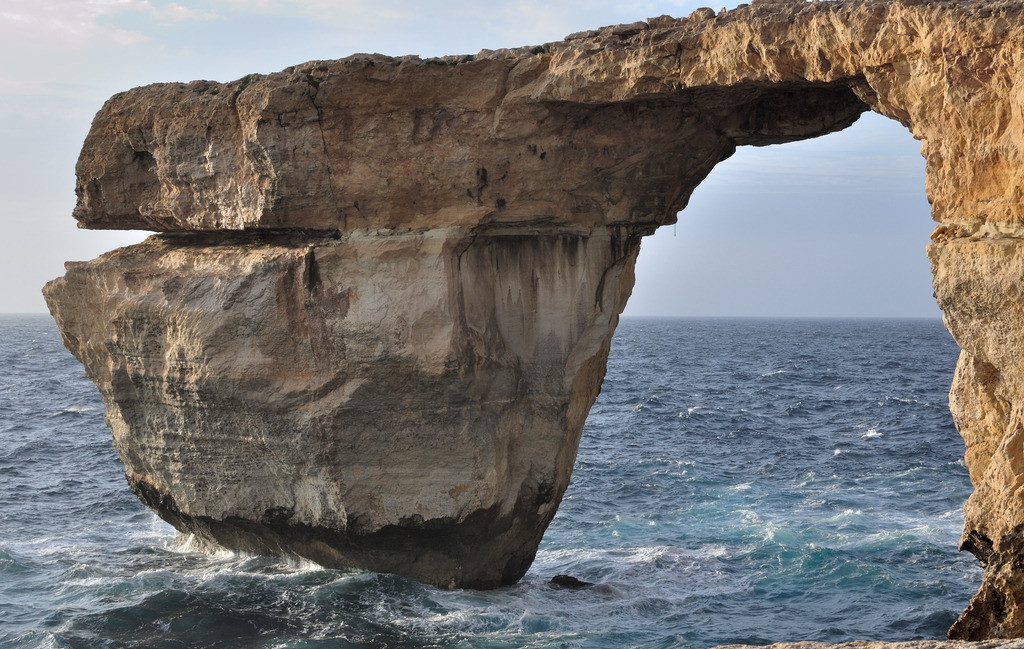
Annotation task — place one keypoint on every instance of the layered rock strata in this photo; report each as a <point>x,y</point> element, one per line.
<point>382,301</point>
<point>407,402</point>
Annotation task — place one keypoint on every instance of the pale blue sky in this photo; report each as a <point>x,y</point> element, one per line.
<point>834,226</point>
<point>831,227</point>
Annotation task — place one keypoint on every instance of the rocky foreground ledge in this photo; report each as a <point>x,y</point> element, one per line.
<point>380,304</point>
<point>910,644</point>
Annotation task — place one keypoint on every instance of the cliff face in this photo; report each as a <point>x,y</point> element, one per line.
<point>408,402</point>
<point>382,303</point>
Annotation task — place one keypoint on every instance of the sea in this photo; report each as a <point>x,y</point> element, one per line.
<point>738,481</point>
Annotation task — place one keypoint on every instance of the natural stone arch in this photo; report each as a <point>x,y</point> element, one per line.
<point>383,303</point>
<point>835,226</point>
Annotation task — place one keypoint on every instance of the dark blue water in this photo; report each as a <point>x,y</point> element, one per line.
<point>738,481</point>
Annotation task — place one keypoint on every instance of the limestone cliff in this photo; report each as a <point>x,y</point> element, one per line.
<point>382,303</point>
<point>407,402</point>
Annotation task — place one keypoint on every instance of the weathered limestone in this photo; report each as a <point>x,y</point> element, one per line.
<point>399,402</point>
<point>978,282</point>
<point>382,306</point>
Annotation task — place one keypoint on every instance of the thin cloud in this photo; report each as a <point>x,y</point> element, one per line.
<point>523,22</point>
<point>82,22</point>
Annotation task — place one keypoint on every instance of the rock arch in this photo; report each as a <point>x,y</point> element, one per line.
<point>381,301</point>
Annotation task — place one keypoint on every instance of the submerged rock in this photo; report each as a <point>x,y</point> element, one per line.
<point>569,582</point>
<point>381,305</point>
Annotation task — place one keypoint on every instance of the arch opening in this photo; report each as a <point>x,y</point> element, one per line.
<point>796,479</point>
<point>829,227</point>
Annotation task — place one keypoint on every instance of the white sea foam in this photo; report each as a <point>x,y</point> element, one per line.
<point>301,564</point>
<point>47,641</point>
<point>955,515</point>
<point>845,515</point>
<point>547,558</point>
<point>776,534</point>
<point>648,554</point>
<point>750,517</point>
<point>806,478</point>
<point>424,619</point>
<point>87,582</point>
<point>713,552</point>
<point>872,432</point>
<point>189,544</point>
<point>627,556</point>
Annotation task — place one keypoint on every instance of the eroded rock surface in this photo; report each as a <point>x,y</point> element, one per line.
<point>382,304</point>
<point>910,644</point>
<point>397,402</point>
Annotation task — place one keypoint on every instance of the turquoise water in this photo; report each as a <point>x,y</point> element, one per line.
<point>738,481</point>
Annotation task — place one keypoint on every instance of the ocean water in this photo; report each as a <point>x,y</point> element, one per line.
<point>738,481</point>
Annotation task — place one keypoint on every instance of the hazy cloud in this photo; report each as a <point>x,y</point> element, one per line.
<point>519,22</point>
<point>81,22</point>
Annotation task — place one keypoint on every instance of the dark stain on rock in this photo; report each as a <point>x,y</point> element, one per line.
<point>990,614</point>
<point>311,271</point>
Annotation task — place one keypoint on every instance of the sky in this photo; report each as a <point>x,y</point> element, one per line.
<point>831,227</point>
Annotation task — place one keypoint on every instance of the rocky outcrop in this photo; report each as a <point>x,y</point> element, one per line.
<point>382,301</point>
<point>979,277</point>
<point>911,644</point>
<point>406,402</point>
